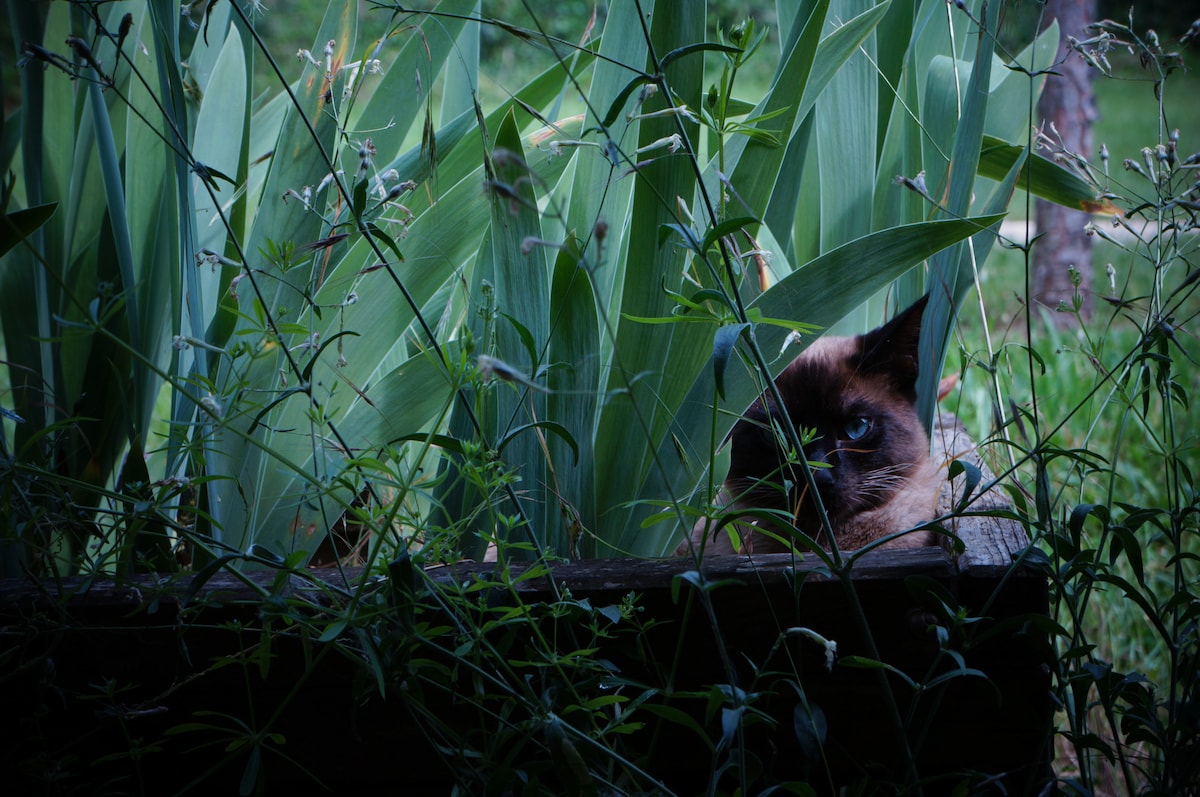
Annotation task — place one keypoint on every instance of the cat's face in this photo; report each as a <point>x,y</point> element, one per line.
<point>857,397</point>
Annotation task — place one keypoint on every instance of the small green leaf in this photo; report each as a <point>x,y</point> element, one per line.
<point>974,475</point>
<point>680,718</point>
<point>376,232</point>
<point>359,199</point>
<point>698,47</point>
<point>688,303</point>
<point>549,426</point>
<point>1124,543</point>
<point>673,319</point>
<point>254,762</point>
<point>726,228</point>
<point>618,104</point>
<point>1079,514</point>
<point>685,232</point>
<point>755,315</point>
<point>402,575</point>
<point>768,138</point>
<point>611,612</point>
<point>731,720</point>
<point>443,441</point>
<point>811,730</point>
<point>708,295</point>
<point>1036,558</point>
<point>724,342</point>
<point>306,374</point>
<point>209,175</point>
<point>736,107</point>
<point>965,672</point>
<point>333,630</point>
<point>20,224</point>
<point>697,580</point>
<point>265,553</point>
<point>864,663</point>
<point>525,335</point>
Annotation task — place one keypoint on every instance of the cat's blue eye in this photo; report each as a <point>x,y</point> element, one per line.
<point>857,427</point>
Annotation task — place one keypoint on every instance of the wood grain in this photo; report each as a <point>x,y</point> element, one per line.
<point>990,542</point>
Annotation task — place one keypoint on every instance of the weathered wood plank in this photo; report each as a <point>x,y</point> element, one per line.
<point>143,591</point>
<point>641,574</point>
<point>581,577</point>
<point>990,542</point>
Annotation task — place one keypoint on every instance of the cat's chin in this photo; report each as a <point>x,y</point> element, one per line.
<point>853,528</point>
<point>752,538</point>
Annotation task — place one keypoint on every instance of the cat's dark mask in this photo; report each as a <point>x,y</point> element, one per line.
<point>855,397</point>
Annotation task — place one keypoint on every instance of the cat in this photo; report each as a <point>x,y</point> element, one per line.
<point>873,470</point>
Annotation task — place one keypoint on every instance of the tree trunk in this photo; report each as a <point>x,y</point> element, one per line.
<point>1069,105</point>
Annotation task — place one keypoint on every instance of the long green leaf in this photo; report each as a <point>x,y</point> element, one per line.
<point>299,160</point>
<point>522,289</point>
<point>643,367</point>
<point>951,274</point>
<point>1046,179</point>
<point>755,166</point>
<point>114,189</point>
<point>597,193</point>
<point>574,379</point>
<point>221,109</point>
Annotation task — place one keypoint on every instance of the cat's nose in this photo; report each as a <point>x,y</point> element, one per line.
<point>823,478</point>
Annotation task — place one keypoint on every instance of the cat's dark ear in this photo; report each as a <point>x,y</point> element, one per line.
<point>755,422</point>
<point>892,348</point>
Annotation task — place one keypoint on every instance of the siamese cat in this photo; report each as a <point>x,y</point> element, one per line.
<point>869,451</point>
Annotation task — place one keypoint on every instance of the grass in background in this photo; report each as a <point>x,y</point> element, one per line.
<point>1075,392</point>
<point>1126,111</point>
<point>1126,108</point>
<point>1078,407</point>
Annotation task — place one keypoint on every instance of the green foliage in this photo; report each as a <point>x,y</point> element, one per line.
<point>334,279</point>
<point>1096,427</point>
<point>370,310</point>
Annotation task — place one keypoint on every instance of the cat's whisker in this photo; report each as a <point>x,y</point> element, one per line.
<point>845,450</point>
